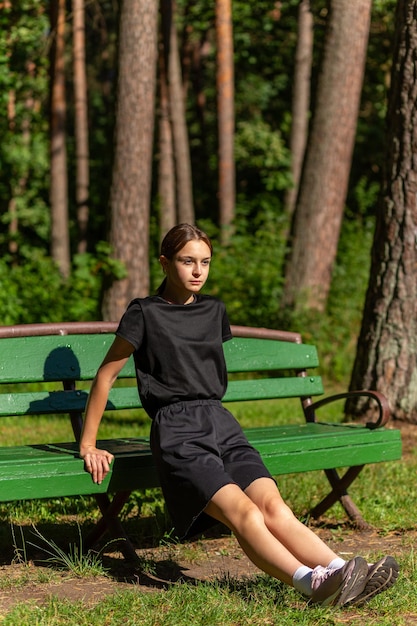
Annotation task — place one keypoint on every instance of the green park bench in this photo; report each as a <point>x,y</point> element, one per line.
<point>262,364</point>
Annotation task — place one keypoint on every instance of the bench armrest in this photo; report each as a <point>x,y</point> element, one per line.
<point>384,412</point>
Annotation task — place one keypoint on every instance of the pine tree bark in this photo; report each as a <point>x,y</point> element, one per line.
<point>13,220</point>
<point>81,124</point>
<point>132,168</point>
<point>185,202</point>
<point>319,211</point>
<point>386,357</point>
<point>226,116</point>
<point>166,166</point>
<point>300,99</point>
<point>60,245</point>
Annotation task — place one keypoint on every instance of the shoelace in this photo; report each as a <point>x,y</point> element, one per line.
<point>319,575</point>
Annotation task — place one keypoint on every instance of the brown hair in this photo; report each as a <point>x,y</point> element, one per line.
<point>175,240</point>
<point>178,236</point>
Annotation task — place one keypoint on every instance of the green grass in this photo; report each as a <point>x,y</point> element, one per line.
<point>223,603</point>
<point>385,493</point>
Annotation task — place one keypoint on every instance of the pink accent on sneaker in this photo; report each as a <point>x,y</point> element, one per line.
<point>339,586</point>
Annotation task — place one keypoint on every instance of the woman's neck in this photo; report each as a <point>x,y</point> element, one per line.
<point>175,298</point>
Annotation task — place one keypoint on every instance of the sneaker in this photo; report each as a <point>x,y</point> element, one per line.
<point>381,576</point>
<point>339,586</point>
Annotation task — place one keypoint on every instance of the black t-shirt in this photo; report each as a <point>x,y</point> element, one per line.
<point>178,349</point>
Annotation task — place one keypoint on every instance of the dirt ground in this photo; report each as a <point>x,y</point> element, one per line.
<point>163,566</point>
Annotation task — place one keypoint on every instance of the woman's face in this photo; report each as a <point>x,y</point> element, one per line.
<point>188,270</point>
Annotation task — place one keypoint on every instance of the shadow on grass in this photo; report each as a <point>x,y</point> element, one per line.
<point>16,546</point>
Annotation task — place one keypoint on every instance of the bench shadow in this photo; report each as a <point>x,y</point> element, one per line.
<point>62,366</point>
<point>23,544</point>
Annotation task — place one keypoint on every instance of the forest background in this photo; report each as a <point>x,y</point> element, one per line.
<point>63,226</point>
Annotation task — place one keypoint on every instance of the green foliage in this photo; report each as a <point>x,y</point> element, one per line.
<point>85,285</point>
<point>265,36</point>
<point>246,274</point>
<point>34,290</point>
<point>23,123</point>
<point>30,292</point>
<point>261,156</point>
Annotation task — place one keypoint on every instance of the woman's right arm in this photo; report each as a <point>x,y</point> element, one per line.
<point>97,461</point>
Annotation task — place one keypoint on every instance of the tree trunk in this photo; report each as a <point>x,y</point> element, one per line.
<point>13,219</point>
<point>166,169</point>
<point>386,357</point>
<point>185,201</point>
<point>319,211</point>
<point>18,187</point>
<point>300,99</point>
<point>60,245</point>
<point>226,116</point>
<point>81,124</point>
<point>132,169</point>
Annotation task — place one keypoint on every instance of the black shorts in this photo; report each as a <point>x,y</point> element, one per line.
<point>199,447</point>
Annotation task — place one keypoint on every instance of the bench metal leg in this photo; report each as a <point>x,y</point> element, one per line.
<point>109,522</point>
<point>339,493</point>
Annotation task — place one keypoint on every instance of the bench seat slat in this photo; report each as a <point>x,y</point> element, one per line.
<point>294,462</point>
<point>323,446</point>
<point>322,432</point>
<point>42,471</point>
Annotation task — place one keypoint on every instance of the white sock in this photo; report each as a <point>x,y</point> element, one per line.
<point>337,563</point>
<point>302,580</point>
<point>302,576</point>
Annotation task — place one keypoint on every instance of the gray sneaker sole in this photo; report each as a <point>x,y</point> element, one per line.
<point>383,576</point>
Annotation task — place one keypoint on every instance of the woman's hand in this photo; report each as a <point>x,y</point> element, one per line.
<point>97,462</point>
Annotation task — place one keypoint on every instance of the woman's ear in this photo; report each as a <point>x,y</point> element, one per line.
<point>164,262</point>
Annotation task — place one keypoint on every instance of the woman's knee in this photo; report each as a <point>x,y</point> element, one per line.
<point>249,518</point>
<point>242,518</point>
<point>276,511</point>
<point>232,507</point>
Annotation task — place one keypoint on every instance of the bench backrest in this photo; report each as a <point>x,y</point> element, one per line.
<point>262,364</point>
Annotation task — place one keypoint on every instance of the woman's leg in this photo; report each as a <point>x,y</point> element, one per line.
<point>235,508</point>
<point>300,540</point>
<point>231,506</point>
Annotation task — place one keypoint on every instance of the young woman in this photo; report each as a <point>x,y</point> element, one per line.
<point>207,469</point>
